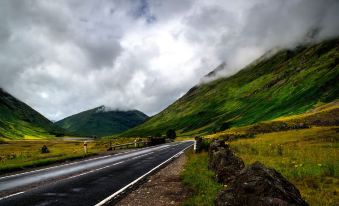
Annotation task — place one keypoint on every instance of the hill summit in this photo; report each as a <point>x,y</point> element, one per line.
<point>102,121</point>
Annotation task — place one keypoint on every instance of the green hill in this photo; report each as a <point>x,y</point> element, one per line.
<point>20,121</point>
<point>289,82</point>
<point>100,122</point>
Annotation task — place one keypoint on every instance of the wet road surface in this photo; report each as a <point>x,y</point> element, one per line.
<point>86,182</point>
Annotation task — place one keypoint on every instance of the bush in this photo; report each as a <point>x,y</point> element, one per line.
<point>170,134</point>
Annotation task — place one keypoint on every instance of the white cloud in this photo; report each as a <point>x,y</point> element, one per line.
<point>62,57</point>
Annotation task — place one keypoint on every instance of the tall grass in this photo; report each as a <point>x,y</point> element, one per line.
<point>308,158</point>
<point>200,180</point>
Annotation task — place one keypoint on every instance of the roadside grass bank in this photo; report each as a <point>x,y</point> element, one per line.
<point>306,157</point>
<point>199,180</point>
<point>23,154</point>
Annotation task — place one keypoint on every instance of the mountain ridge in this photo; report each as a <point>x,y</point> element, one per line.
<point>18,120</point>
<point>288,82</point>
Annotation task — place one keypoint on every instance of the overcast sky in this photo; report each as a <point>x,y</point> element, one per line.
<point>63,57</point>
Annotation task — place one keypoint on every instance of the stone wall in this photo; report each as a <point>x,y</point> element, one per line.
<point>252,185</point>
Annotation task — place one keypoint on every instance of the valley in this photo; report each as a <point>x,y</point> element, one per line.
<point>281,110</point>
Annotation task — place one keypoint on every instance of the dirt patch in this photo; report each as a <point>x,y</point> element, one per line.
<point>162,188</point>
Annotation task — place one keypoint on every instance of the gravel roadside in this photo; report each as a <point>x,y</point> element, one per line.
<point>161,189</point>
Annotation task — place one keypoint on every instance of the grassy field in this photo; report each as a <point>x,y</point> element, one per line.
<point>200,180</point>
<point>15,155</point>
<point>306,157</point>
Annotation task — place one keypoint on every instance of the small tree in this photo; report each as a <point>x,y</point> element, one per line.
<point>170,134</point>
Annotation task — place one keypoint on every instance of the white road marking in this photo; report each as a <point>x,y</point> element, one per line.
<point>94,170</point>
<point>139,178</point>
<point>164,148</point>
<point>141,155</point>
<point>2,198</point>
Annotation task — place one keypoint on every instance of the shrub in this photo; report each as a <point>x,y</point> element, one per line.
<point>170,134</point>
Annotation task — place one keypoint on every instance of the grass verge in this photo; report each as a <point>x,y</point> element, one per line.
<point>200,181</point>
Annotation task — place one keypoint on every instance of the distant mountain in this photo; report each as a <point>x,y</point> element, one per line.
<point>20,121</point>
<point>284,83</point>
<point>102,121</point>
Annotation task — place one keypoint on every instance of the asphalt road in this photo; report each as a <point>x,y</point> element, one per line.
<point>87,182</point>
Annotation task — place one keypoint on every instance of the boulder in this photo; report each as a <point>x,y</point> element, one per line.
<point>223,161</point>
<point>259,185</point>
<point>44,149</point>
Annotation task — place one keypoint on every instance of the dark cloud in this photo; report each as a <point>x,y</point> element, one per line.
<point>62,57</point>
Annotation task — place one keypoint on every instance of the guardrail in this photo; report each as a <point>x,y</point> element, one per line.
<point>133,144</point>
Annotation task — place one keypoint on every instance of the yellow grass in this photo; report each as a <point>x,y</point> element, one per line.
<point>307,157</point>
<point>27,153</point>
<point>320,108</point>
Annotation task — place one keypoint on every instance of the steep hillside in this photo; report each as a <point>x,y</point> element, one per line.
<point>18,120</point>
<point>100,122</point>
<point>289,82</point>
<point>323,115</point>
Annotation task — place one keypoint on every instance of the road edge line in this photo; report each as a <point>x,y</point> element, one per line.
<point>8,196</point>
<point>107,199</point>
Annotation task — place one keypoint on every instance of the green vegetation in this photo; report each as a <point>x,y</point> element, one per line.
<point>20,154</point>
<point>289,82</point>
<point>306,157</point>
<point>301,147</point>
<point>19,121</point>
<point>321,115</point>
<point>200,180</point>
<point>99,122</point>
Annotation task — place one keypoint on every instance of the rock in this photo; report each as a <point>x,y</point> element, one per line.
<point>44,149</point>
<point>223,161</point>
<point>215,146</point>
<point>259,185</point>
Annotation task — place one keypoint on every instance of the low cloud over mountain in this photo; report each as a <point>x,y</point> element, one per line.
<point>63,57</point>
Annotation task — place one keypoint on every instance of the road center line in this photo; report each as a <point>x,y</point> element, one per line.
<point>81,161</point>
<point>38,170</point>
<point>141,155</point>
<point>101,168</point>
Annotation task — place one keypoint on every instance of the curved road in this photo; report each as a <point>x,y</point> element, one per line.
<point>88,182</point>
